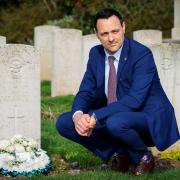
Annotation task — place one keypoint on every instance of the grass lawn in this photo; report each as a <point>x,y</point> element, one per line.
<point>63,152</point>
<point>59,147</point>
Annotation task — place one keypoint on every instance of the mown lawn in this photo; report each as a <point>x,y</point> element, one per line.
<point>63,152</point>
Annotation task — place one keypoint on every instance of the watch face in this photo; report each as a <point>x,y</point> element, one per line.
<point>94,116</point>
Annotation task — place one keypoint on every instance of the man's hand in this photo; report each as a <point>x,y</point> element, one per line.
<point>92,122</point>
<point>82,123</point>
<point>92,125</point>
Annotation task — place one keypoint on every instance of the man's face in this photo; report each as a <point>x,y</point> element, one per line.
<point>111,33</point>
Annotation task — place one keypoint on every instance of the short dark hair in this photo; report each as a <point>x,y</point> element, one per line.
<point>105,14</point>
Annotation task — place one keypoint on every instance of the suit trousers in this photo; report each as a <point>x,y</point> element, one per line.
<point>123,133</point>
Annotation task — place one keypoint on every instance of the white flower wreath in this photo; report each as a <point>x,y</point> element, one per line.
<point>21,156</point>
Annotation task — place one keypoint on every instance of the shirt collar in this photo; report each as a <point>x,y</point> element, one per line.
<point>116,54</point>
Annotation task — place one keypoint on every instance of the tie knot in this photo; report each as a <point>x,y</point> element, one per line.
<point>111,59</point>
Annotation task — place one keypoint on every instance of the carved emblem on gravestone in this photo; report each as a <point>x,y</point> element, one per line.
<point>15,59</point>
<point>15,67</point>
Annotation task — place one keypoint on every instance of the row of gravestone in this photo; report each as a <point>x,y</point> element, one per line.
<point>63,54</point>
<point>65,51</point>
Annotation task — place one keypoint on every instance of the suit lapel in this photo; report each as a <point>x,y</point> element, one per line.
<point>123,57</point>
<point>101,67</point>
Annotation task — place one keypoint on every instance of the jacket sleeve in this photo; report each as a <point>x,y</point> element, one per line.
<point>143,72</point>
<point>87,90</point>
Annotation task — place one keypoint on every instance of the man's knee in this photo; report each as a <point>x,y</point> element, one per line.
<point>116,124</point>
<point>63,123</point>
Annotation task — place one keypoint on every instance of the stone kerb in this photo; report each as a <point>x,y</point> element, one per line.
<point>43,42</point>
<point>19,92</point>
<point>175,33</point>
<point>148,37</point>
<point>88,42</point>
<point>2,41</point>
<point>67,61</point>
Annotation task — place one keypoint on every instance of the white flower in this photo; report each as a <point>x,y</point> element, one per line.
<point>25,156</point>
<point>4,144</point>
<point>10,149</point>
<point>16,138</point>
<point>28,149</point>
<point>33,144</point>
<point>24,143</point>
<point>6,157</point>
<point>28,156</point>
<point>19,148</point>
<point>1,163</point>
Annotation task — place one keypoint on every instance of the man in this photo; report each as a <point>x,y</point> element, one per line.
<point>120,108</point>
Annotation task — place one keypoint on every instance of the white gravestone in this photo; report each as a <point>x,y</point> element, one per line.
<point>19,92</point>
<point>148,37</point>
<point>167,59</point>
<point>176,97</point>
<point>164,56</point>
<point>176,30</point>
<point>67,61</point>
<point>43,43</point>
<point>88,42</point>
<point>2,41</point>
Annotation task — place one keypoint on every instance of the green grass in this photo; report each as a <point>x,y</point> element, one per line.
<point>45,88</point>
<point>53,143</point>
<point>51,107</point>
<point>109,175</point>
<point>63,151</point>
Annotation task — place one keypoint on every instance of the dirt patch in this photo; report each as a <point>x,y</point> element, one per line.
<point>165,164</point>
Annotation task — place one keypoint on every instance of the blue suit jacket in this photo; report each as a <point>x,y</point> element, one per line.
<point>138,89</point>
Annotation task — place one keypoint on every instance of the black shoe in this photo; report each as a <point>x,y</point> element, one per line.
<point>120,162</point>
<point>146,165</point>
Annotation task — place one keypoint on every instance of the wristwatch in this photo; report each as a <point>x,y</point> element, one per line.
<point>94,116</point>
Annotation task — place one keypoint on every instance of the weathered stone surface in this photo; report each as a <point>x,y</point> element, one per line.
<point>19,92</point>
<point>164,56</point>
<point>176,82</point>
<point>88,42</point>
<point>176,30</point>
<point>2,41</point>
<point>148,37</point>
<point>176,33</point>
<point>43,43</point>
<point>167,59</point>
<point>67,61</point>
